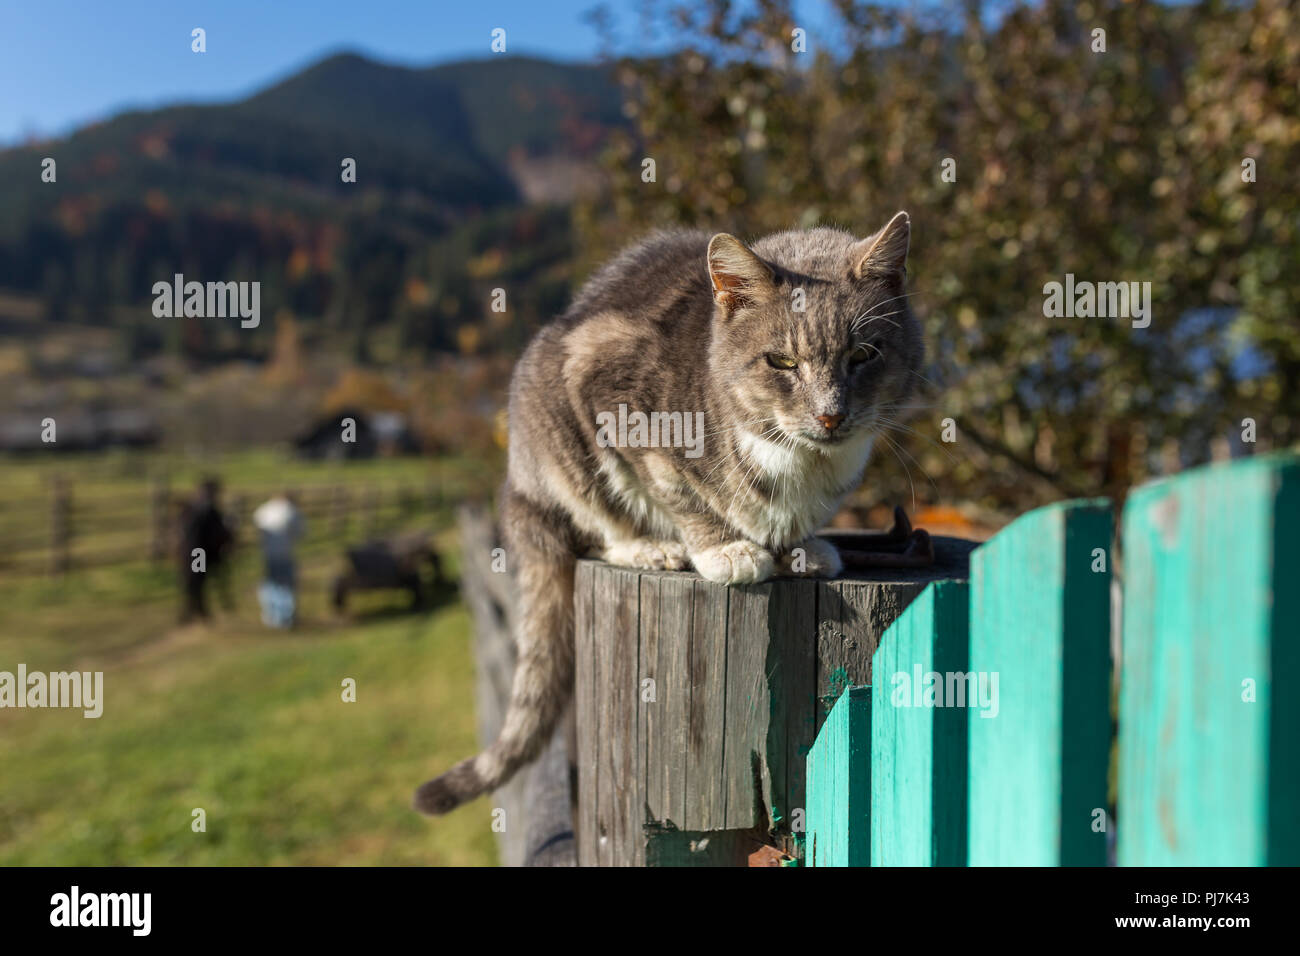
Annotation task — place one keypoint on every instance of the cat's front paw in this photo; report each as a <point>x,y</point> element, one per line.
<point>813,558</point>
<point>647,555</point>
<point>736,562</point>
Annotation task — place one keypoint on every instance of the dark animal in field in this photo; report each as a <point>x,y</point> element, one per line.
<point>395,562</point>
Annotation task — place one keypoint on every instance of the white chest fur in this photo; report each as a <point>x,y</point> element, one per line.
<point>807,485</point>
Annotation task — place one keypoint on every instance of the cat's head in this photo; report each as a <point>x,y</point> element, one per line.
<point>812,332</point>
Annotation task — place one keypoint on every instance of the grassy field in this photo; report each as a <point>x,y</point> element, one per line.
<point>245,723</point>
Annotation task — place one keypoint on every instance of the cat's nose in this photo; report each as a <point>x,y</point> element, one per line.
<point>830,422</point>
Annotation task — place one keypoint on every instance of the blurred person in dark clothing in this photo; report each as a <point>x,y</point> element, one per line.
<point>206,540</point>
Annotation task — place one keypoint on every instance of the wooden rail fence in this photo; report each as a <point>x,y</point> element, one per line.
<point>85,532</point>
<point>1208,740</point>
<point>697,704</point>
<point>958,715</point>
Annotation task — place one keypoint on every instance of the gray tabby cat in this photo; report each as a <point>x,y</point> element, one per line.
<point>791,350</point>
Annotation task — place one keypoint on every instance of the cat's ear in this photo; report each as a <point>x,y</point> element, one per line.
<point>740,278</point>
<point>883,255</point>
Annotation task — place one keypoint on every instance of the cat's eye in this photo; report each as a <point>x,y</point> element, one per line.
<point>864,353</point>
<point>783,362</point>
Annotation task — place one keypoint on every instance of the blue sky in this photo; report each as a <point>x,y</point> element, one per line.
<point>67,62</point>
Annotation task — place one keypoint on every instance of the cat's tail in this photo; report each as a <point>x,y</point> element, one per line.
<point>543,681</point>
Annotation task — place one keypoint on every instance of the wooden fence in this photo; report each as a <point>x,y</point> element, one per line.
<point>93,531</point>
<point>985,738</point>
<point>973,713</point>
<point>697,703</point>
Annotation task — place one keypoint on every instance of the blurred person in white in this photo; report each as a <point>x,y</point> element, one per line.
<point>279,524</point>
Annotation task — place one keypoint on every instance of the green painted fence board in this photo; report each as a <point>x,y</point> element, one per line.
<point>1208,777</point>
<point>839,785</point>
<point>918,732</point>
<point>1039,633</point>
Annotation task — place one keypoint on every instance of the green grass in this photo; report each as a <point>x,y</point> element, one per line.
<point>246,723</point>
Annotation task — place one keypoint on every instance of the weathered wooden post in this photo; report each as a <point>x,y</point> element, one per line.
<point>339,508</point>
<point>61,526</point>
<point>159,519</point>
<point>369,511</point>
<point>697,704</point>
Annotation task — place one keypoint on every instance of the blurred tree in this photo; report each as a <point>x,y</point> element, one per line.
<point>285,366</point>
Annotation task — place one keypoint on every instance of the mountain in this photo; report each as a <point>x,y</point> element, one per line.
<point>252,189</point>
<point>443,136</point>
<point>493,106</point>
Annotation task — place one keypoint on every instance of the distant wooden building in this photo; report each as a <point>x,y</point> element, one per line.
<point>79,430</point>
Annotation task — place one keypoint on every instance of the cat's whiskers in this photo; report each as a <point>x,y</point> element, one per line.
<point>923,378</point>
<point>905,295</point>
<point>723,459</point>
<point>821,500</point>
<point>787,443</point>
<point>723,456</point>
<point>869,312</point>
<point>802,485</point>
<point>735,425</point>
<point>746,482</point>
<point>899,451</point>
<point>919,466</point>
<point>754,472</point>
<point>743,455</point>
<point>861,322</point>
<point>907,408</point>
<point>894,449</point>
<point>900,427</point>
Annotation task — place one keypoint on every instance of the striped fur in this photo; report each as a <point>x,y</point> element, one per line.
<point>685,322</point>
